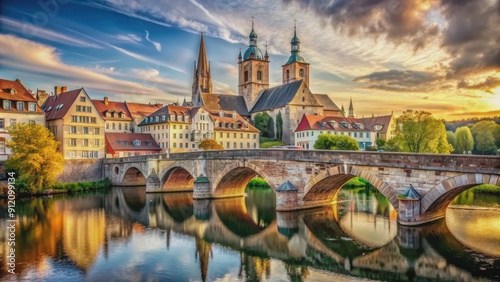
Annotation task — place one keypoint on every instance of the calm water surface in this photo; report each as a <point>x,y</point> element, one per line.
<point>124,234</point>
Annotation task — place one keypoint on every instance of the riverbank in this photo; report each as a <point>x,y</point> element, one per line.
<point>58,188</point>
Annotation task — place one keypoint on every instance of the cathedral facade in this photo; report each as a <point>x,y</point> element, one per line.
<point>291,100</point>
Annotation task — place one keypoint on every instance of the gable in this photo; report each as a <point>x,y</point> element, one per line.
<point>276,97</point>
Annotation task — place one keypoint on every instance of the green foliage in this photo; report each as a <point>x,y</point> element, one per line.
<point>271,144</point>
<point>258,183</point>
<point>392,146</point>
<point>279,126</point>
<point>210,144</point>
<point>486,134</point>
<point>335,142</point>
<point>266,139</point>
<point>270,128</point>
<point>487,188</point>
<point>380,142</point>
<point>452,140</point>
<point>464,140</point>
<point>34,156</point>
<point>261,120</point>
<point>420,132</point>
<point>357,182</point>
<point>81,186</point>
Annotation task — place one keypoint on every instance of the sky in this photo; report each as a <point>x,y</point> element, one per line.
<point>441,56</point>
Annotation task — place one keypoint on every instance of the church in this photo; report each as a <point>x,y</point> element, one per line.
<point>288,102</point>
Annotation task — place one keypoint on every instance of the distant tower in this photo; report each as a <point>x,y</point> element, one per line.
<point>342,109</point>
<point>296,67</point>
<point>351,109</point>
<point>202,77</point>
<point>253,71</point>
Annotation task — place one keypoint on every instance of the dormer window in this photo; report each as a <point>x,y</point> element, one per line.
<point>234,115</point>
<point>378,127</point>
<point>122,115</point>
<point>186,118</point>
<point>163,117</point>
<point>115,115</point>
<point>32,106</point>
<point>108,114</point>
<point>20,106</point>
<point>221,113</point>
<point>6,104</point>
<point>136,143</point>
<point>157,118</point>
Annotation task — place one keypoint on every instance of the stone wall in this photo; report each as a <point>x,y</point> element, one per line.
<point>81,170</point>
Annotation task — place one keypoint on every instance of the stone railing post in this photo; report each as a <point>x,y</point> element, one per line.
<point>286,197</point>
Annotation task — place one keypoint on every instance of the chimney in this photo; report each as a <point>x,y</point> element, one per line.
<point>64,89</point>
<point>57,90</point>
<point>106,101</point>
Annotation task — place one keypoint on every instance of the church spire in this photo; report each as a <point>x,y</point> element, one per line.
<point>351,109</point>
<point>202,78</point>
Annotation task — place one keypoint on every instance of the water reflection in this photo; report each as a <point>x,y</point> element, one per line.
<point>125,234</point>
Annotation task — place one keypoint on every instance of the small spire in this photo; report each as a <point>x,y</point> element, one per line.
<point>252,22</point>
<point>239,56</point>
<point>266,56</point>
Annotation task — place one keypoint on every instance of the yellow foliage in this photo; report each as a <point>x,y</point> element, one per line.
<point>210,144</point>
<point>35,157</point>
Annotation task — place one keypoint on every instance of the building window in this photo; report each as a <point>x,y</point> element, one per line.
<point>175,135</point>
<point>2,123</point>
<point>85,130</point>
<point>220,134</point>
<point>126,126</point>
<point>192,145</point>
<point>234,145</point>
<point>96,142</point>
<point>85,154</point>
<point>301,72</point>
<point>93,120</point>
<point>96,131</point>
<point>228,146</point>
<point>107,125</point>
<point>227,135</point>
<point>241,145</point>
<point>72,154</point>
<point>32,106</point>
<point>246,76</point>
<point>259,75</point>
<point>82,99</point>
<point>2,145</point>
<point>175,145</point>
<point>72,129</point>
<point>85,142</point>
<point>187,135</point>
<point>6,104</point>
<point>13,121</point>
<point>234,136</point>
<point>287,74</point>
<point>113,126</point>
<point>119,126</point>
<point>20,106</point>
<point>72,142</point>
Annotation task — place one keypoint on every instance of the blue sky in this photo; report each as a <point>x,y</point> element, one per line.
<point>388,55</point>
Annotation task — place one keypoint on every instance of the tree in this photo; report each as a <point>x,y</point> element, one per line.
<point>210,144</point>
<point>380,142</point>
<point>464,140</point>
<point>484,133</point>
<point>270,128</point>
<point>34,156</point>
<point>261,120</point>
<point>335,142</point>
<point>279,126</point>
<point>452,140</point>
<point>420,132</point>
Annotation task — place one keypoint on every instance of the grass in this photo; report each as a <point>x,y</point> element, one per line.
<point>258,183</point>
<point>80,186</point>
<point>487,189</point>
<point>271,144</point>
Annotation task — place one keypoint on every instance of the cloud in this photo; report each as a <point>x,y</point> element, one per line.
<point>487,85</point>
<point>39,59</point>
<point>401,80</point>
<point>30,31</point>
<point>156,44</point>
<point>130,37</point>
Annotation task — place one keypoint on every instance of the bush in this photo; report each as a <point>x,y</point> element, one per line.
<point>258,183</point>
<point>487,188</point>
<point>271,144</point>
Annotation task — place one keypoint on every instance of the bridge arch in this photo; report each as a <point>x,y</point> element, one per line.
<point>436,201</point>
<point>133,176</point>
<point>319,188</point>
<point>175,177</point>
<point>233,179</point>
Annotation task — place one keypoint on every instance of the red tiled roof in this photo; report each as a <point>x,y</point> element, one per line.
<point>314,122</point>
<point>228,118</point>
<point>138,110</point>
<point>20,94</point>
<point>125,141</point>
<point>380,120</point>
<point>119,107</point>
<point>60,104</point>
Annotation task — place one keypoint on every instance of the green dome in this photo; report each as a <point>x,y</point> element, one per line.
<point>295,57</point>
<point>257,54</point>
<point>295,39</point>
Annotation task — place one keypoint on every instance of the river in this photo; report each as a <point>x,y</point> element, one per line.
<point>124,234</point>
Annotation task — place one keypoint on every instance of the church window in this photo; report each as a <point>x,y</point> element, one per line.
<point>301,72</point>
<point>303,99</point>
<point>287,74</point>
<point>246,76</point>
<point>259,75</point>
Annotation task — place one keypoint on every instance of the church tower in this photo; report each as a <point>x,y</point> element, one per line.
<point>253,71</point>
<point>202,77</point>
<point>296,67</point>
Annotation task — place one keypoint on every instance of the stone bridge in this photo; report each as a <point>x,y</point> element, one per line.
<point>305,179</point>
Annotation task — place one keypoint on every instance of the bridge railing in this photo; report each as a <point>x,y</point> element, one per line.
<point>438,162</point>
